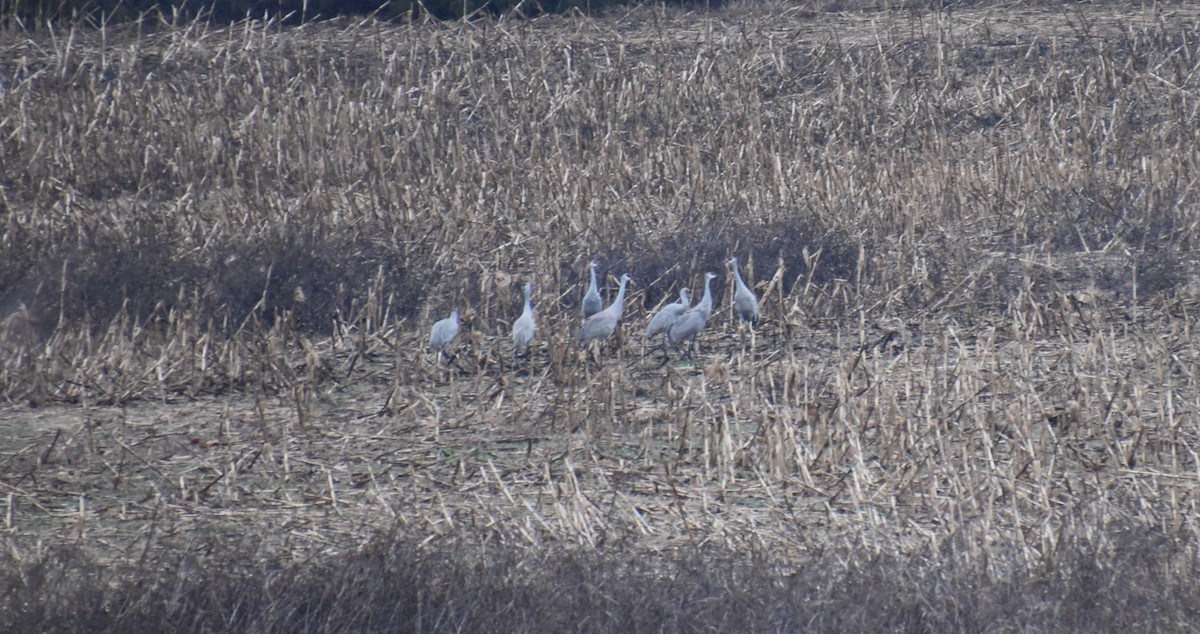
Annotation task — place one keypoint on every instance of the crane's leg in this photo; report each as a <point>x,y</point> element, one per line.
<point>452,360</point>
<point>592,354</point>
<point>750,327</point>
<point>666,351</point>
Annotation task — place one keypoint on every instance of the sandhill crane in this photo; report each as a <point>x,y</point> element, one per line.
<point>592,303</point>
<point>443,333</point>
<point>745,304</point>
<point>693,320</point>
<point>525,326</point>
<point>601,325</point>
<point>662,322</point>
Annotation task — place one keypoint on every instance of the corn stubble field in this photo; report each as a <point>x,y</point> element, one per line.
<point>973,402</point>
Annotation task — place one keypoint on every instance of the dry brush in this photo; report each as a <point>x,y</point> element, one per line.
<point>973,239</point>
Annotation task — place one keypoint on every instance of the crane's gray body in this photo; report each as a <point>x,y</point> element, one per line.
<point>693,320</point>
<point>662,322</point>
<point>444,331</point>
<point>525,327</point>
<point>601,325</point>
<point>745,304</point>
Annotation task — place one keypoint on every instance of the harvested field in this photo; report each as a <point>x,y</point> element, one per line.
<point>973,402</point>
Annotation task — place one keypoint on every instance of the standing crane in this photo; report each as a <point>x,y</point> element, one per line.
<point>601,325</point>
<point>443,332</point>
<point>524,327</point>
<point>745,304</point>
<point>693,320</point>
<point>662,322</point>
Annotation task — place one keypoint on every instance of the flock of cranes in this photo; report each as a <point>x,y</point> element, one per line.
<point>678,322</point>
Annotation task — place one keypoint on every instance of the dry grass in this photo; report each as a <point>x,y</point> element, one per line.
<point>975,389</point>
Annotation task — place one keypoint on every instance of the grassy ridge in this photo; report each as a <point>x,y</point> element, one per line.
<point>1105,582</point>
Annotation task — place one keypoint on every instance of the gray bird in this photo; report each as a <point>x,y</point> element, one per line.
<point>592,303</point>
<point>601,325</point>
<point>693,320</point>
<point>444,332</point>
<point>524,327</point>
<point>745,304</point>
<point>661,323</point>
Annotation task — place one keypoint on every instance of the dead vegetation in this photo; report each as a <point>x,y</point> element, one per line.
<point>974,393</point>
